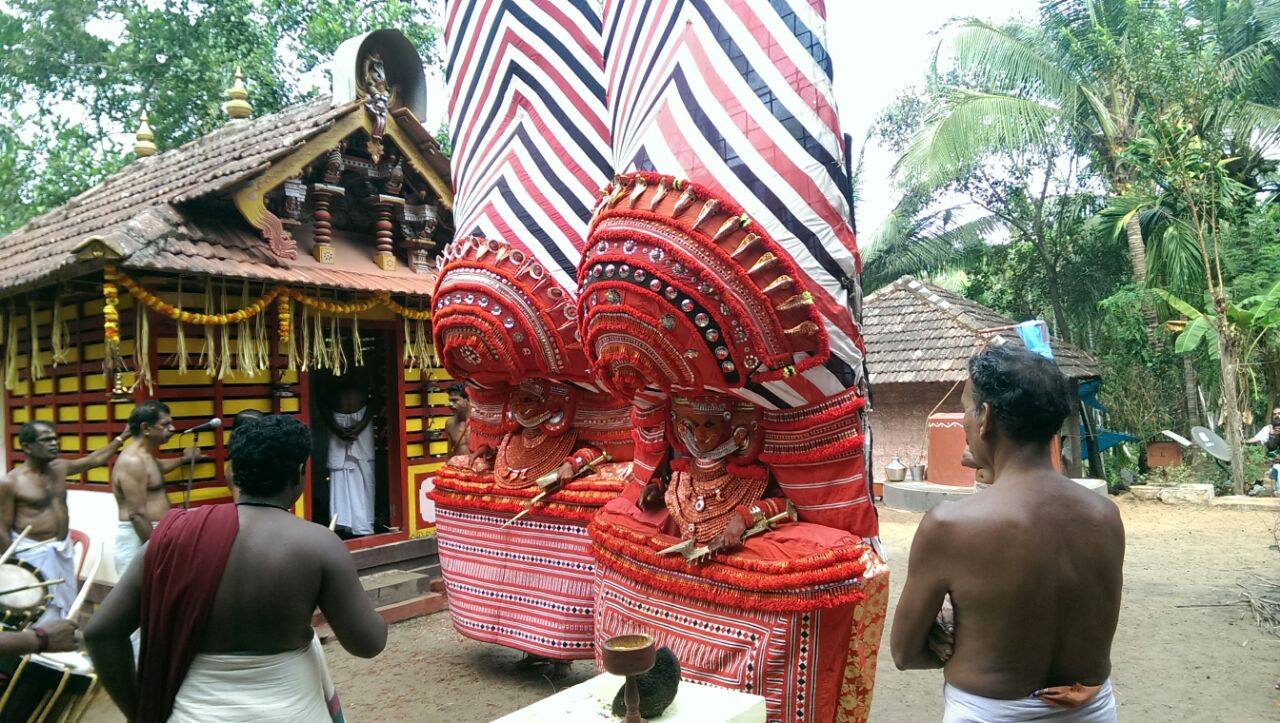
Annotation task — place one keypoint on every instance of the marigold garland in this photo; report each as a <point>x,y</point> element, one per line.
<point>110,307</point>
<point>112,277</point>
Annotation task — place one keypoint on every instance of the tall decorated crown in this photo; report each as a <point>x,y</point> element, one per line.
<point>682,290</point>
<point>500,317</point>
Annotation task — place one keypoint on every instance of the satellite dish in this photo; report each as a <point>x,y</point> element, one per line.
<point>1213,444</point>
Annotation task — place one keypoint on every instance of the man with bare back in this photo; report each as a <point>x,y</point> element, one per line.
<point>1033,565</point>
<point>35,493</point>
<point>137,479</point>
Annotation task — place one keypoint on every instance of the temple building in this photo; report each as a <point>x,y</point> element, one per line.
<point>261,267</point>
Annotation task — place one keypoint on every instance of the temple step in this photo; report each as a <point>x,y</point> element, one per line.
<point>394,586</point>
<point>398,595</point>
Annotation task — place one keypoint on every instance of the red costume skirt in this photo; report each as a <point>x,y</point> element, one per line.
<point>795,615</point>
<point>528,585</point>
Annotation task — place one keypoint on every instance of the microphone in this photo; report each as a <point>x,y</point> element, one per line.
<point>205,426</point>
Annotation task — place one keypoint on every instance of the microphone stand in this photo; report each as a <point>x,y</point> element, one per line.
<point>191,476</point>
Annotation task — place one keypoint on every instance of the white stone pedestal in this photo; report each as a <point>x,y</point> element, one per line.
<point>590,701</point>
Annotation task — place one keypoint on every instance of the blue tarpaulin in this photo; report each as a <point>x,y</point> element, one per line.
<point>1089,394</point>
<point>1035,335</point>
<point>1106,440</point>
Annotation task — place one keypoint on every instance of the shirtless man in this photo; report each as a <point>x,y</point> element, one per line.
<point>1033,565</point>
<point>137,479</point>
<point>244,629</point>
<point>35,493</point>
<point>456,426</point>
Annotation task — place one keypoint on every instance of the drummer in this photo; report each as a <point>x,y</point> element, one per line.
<point>55,636</point>
<point>35,493</point>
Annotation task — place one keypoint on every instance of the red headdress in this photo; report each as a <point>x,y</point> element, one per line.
<point>500,317</point>
<point>680,290</point>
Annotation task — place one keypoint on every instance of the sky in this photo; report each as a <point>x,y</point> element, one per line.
<point>878,50</point>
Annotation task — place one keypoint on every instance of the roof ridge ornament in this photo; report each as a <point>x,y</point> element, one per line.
<point>144,143</point>
<point>237,106</point>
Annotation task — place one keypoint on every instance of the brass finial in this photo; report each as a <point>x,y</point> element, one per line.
<point>237,105</point>
<point>144,143</point>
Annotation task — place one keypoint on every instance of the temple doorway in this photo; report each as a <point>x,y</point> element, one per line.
<point>350,454</point>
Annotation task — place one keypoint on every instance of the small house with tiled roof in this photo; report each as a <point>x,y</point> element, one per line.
<point>919,339</point>
<point>249,269</point>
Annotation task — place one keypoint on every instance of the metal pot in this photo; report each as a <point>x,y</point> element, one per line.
<point>895,471</point>
<point>916,472</point>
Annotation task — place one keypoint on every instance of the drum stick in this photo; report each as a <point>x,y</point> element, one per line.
<point>88,583</point>
<point>14,545</point>
<point>32,586</point>
<point>333,523</point>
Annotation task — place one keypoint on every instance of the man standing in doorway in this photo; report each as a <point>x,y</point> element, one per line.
<point>351,474</point>
<point>35,493</point>
<point>456,426</point>
<point>1033,565</point>
<point>137,479</point>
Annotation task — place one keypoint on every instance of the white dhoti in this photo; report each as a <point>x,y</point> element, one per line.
<point>54,560</point>
<point>351,475</point>
<point>962,707</point>
<point>278,688</point>
<point>128,545</point>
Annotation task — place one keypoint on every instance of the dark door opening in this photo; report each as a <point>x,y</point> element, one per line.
<point>350,476</point>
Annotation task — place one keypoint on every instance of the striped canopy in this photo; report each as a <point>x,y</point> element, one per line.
<point>527,121</point>
<point>736,96</point>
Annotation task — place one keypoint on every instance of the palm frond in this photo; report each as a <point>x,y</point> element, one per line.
<point>969,127</point>
<point>909,241</point>
<point>997,59</point>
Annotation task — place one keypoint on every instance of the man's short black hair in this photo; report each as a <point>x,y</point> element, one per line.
<point>29,431</point>
<point>1028,394</point>
<point>146,413</point>
<point>244,418</point>
<point>458,390</point>
<point>268,453</point>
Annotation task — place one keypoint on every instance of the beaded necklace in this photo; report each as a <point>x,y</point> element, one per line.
<point>526,456</point>
<point>702,498</point>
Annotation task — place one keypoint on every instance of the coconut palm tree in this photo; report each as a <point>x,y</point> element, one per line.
<point>1080,74</point>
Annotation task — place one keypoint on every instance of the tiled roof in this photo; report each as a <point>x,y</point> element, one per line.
<point>233,249</point>
<point>918,332</point>
<point>144,211</point>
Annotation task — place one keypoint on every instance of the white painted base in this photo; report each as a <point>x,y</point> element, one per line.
<point>590,701</point>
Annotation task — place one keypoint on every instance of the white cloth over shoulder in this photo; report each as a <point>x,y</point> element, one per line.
<point>962,707</point>
<point>54,560</point>
<point>351,475</point>
<point>278,688</point>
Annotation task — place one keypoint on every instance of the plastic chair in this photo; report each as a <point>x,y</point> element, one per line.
<point>79,541</point>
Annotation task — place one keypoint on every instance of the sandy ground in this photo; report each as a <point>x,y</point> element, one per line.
<point>1170,662</point>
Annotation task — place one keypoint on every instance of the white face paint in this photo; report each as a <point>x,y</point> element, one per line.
<point>724,449</point>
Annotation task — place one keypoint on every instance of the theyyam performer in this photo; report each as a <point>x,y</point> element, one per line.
<point>546,448</point>
<point>719,290</point>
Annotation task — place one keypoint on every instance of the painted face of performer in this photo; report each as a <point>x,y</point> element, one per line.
<point>707,434</point>
<point>529,408</point>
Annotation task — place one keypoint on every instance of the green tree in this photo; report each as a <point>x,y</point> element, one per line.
<point>1082,74</point>
<point>75,76</point>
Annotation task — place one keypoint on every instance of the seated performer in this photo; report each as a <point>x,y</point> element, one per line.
<point>225,596</point>
<point>1036,600</point>
<point>542,439</point>
<point>137,479</point>
<point>547,451</point>
<point>35,493</point>
<point>744,542</point>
